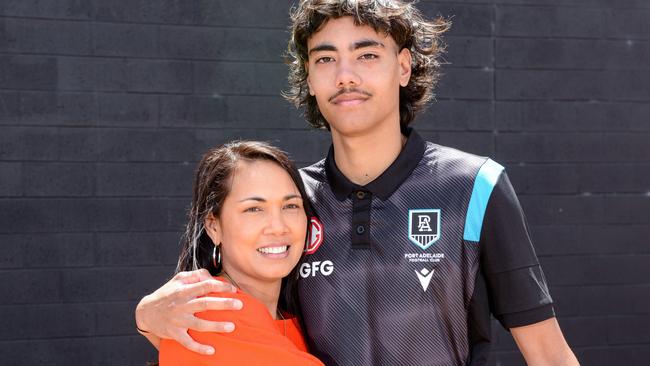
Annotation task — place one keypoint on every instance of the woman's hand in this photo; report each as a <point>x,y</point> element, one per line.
<point>169,311</point>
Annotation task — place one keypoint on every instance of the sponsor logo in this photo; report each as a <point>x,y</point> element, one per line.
<point>316,236</point>
<point>424,227</point>
<point>311,269</point>
<point>424,276</point>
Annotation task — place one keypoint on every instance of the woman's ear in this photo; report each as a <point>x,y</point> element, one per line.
<point>213,228</point>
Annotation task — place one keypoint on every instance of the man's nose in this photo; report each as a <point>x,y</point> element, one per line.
<point>346,76</point>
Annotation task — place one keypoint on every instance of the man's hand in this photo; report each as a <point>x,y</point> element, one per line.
<point>169,311</point>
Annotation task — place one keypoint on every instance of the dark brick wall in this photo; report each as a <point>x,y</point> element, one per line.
<point>105,106</point>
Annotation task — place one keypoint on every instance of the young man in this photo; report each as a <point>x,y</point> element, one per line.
<point>421,242</point>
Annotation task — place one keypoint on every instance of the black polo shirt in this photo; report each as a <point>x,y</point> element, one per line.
<point>413,263</point>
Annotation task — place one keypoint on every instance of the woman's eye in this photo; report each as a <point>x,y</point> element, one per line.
<point>292,206</point>
<point>253,209</point>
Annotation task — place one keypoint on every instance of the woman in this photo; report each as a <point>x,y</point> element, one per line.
<point>247,226</point>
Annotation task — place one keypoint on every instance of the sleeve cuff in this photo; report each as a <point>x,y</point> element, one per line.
<point>527,317</point>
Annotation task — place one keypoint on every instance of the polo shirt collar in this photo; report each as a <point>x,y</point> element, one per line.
<point>388,182</point>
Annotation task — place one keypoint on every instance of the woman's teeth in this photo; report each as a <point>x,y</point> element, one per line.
<point>273,250</point>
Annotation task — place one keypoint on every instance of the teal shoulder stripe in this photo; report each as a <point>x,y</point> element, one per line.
<point>484,183</point>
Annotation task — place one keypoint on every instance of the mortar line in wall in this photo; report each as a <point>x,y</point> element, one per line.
<point>127,58</point>
<point>153,24</point>
<point>111,232</point>
<point>108,232</point>
<point>194,161</point>
<point>522,5</point>
<point>594,195</point>
<point>167,128</point>
<point>71,303</point>
<point>98,198</point>
<point>190,94</point>
<point>75,337</point>
<point>570,38</point>
<point>607,285</point>
<point>571,69</point>
<point>493,108</point>
<point>591,225</point>
<point>92,268</point>
<point>266,28</point>
<point>585,100</point>
<point>606,346</point>
<point>193,61</point>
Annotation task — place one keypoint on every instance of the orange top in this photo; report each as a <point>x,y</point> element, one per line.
<point>258,339</point>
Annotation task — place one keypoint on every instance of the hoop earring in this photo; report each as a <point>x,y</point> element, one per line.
<point>216,260</point>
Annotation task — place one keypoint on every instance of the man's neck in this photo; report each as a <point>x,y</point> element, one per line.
<point>363,158</point>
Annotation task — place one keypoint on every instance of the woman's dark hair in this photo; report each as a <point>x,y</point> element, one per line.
<point>399,19</point>
<point>212,183</point>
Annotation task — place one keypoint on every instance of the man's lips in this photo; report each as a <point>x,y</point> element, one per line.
<point>349,97</point>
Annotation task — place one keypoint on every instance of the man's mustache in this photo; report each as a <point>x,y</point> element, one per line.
<point>349,91</point>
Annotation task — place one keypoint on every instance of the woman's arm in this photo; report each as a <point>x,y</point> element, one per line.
<point>169,311</point>
<point>543,344</point>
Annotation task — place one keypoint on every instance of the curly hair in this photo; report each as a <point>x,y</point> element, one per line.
<point>399,19</point>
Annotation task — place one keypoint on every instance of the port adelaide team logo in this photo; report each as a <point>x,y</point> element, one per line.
<point>424,227</point>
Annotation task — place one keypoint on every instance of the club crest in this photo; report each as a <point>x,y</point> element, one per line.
<point>316,237</point>
<point>424,227</point>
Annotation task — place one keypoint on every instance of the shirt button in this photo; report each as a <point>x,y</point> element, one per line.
<point>361,229</point>
<point>361,195</point>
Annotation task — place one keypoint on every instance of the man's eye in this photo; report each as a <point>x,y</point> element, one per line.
<point>322,60</point>
<point>368,56</point>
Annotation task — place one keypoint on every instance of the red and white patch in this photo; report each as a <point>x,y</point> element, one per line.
<point>316,237</point>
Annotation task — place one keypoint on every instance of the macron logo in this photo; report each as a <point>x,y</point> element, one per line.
<point>424,276</point>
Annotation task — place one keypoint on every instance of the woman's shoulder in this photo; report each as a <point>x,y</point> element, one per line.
<point>257,338</point>
<point>292,330</point>
<point>253,311</point>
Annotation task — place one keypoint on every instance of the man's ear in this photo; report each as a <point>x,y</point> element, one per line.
<point>404,59</point>
<point>309,88</point>
<point>213,228</point>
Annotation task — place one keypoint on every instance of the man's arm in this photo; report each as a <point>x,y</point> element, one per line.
<point>543,344</point>
<point>519,295</point>
<point>169,311</point>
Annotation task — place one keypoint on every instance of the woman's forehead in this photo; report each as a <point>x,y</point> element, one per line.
<point>262,176</point>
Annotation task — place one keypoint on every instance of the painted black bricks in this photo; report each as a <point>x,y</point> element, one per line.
<point>106,106</point>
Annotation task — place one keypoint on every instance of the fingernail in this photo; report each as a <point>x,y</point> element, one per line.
<point>209,351</point>
<point>237,304</point>
<point>229,327</point>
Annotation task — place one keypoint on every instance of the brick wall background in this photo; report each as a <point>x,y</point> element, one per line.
<point>106,105</point>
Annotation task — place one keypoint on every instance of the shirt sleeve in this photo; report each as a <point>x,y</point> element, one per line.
<point>517,290</point>
<point>256,340</point>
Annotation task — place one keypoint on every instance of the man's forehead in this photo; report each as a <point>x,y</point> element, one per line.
<point>327,33</point>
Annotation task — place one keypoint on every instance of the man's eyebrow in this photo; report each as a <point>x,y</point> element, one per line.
<point>355,46</point>
<point>322,47</point>
<point>366,43</point>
